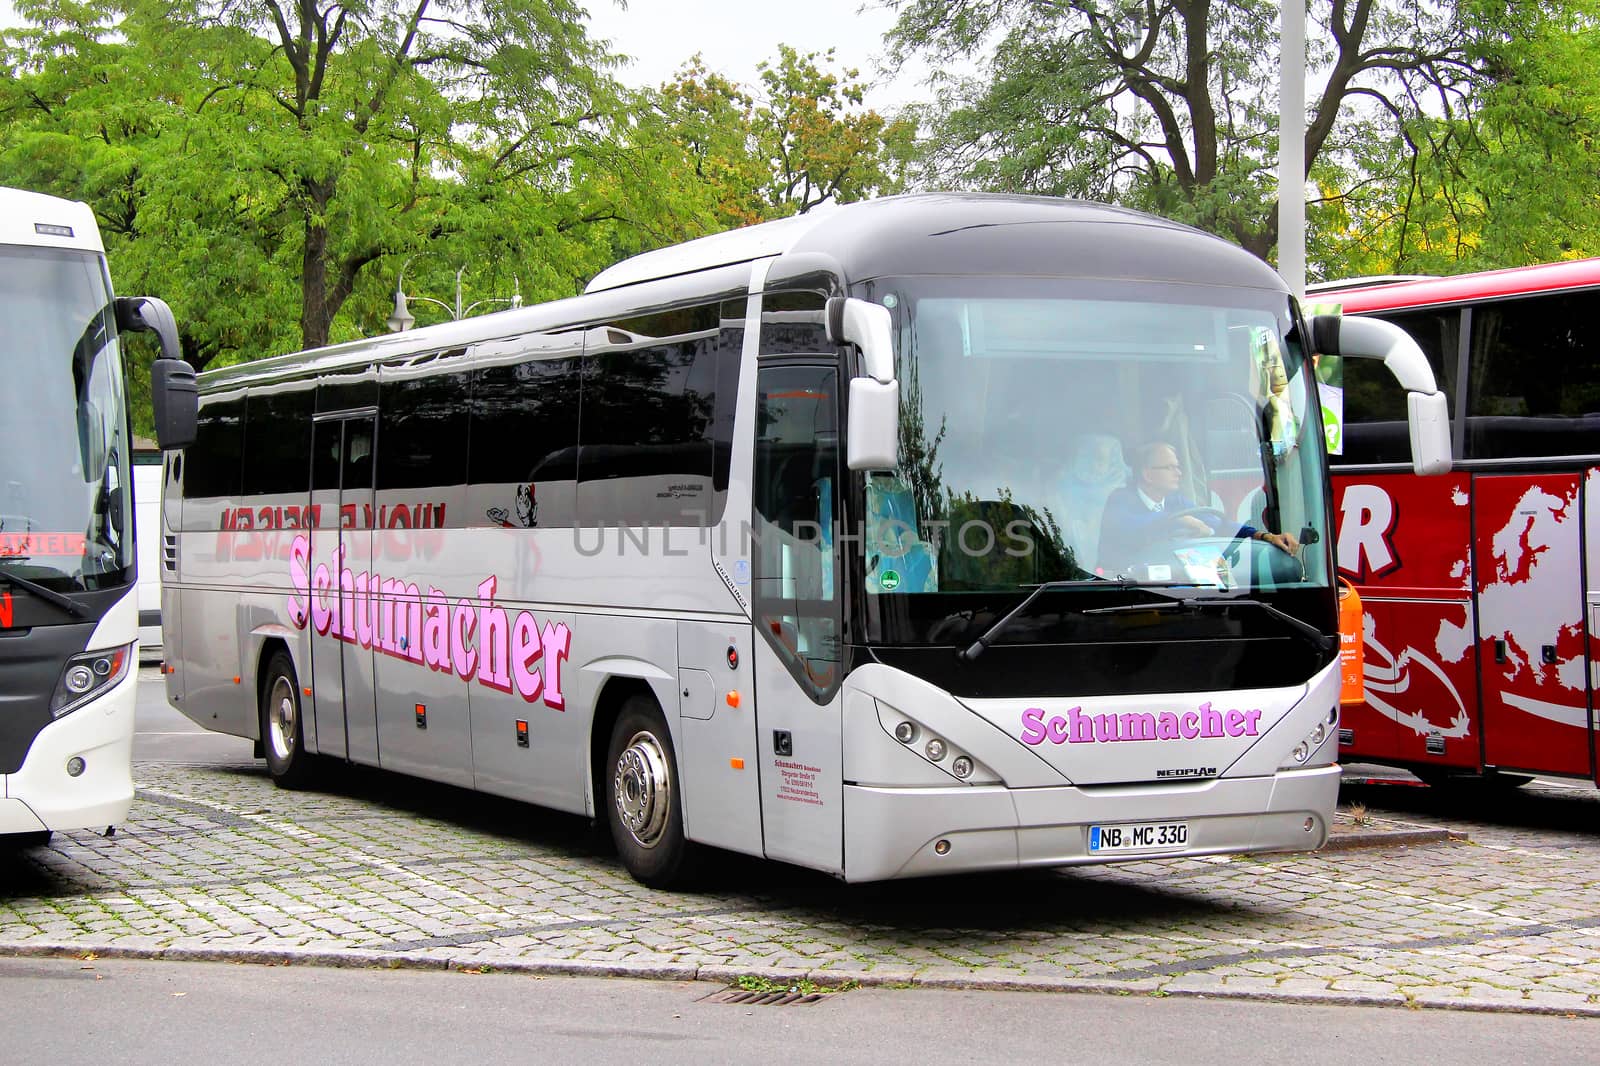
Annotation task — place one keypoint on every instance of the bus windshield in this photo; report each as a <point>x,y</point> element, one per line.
<point>1131,433</point>
<point>64,454</point>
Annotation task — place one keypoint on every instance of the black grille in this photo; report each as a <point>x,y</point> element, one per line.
<point>30,665</point>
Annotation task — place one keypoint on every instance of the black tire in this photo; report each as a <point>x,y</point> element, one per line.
<point>643,798</point>
<point>23,841</point>
<point>283,734</point>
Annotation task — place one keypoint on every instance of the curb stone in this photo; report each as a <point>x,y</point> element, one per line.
<point>1383,838</point>
<point>722,974</point>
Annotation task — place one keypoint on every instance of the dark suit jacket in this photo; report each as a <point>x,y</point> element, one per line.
<point>1128,528</point>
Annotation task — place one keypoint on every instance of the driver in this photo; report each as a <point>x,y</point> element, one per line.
<point>1149,512</point>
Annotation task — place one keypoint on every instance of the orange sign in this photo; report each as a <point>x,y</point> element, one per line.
<point>37,543</point>
<point>1352,685</point>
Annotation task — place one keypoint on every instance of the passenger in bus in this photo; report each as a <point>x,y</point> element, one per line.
<point>1094,471</point>
<point>1150,513</point>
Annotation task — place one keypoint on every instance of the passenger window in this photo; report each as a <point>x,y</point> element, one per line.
<point>523,450</point>
<point>423,427</point>
<point>279,459</point>
<point>1375,418</point>
<point>796,507</point>
<point>216,457</point>
<point>649,402</point>
<point>1534,378</point>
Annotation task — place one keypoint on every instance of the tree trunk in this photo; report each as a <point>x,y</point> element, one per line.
<point>315,315</point>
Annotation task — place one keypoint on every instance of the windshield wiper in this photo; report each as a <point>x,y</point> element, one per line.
<point>66,603</point>
<point>1317,639</point>
<point>976,648</point>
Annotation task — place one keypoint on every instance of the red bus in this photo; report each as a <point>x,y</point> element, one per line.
<point>1481,587</point>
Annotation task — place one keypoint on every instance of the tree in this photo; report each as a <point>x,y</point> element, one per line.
<point>804,138</point>
<point>1167,104</point>
<point>1451,191</point>
<point>308,145</point>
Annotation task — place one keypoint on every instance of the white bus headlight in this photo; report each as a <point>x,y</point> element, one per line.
<point>1312,742</point>
<point>87,675</point>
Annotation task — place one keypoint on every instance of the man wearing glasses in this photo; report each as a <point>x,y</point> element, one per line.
<point>1151,513</point>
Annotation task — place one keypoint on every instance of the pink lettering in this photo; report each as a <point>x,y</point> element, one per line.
<point>557,641</point>
<point>526,650</point>
<point>300,581</point>
<point>463,624</point>
<point>494,667</point>
<point>1033,730</point>
<point>321,616</point>
<point>435,631</point>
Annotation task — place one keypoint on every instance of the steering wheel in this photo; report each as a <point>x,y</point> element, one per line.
<point>1210,515</point>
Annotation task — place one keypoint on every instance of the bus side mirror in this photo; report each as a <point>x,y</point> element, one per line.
<point>175,398</point>
<point>146,314</point>
<point>874,419</point>
<point>1427,414</point>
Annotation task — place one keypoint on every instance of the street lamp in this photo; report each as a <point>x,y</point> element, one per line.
<point>401,319</point>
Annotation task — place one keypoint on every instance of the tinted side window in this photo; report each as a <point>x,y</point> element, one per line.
<point>1375,428</point>
<point>649,402</point>
<point>213,462</point>
<point>523,445</point>
<point>730,353</point>
<point>795,505</point>
<point>279,419</point>
<point>794,323</point>
<point>422,429</point>
<point>1534,378</point>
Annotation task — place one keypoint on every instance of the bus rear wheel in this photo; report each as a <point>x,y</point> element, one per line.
<point>644,800</point>
<point>283,735</point>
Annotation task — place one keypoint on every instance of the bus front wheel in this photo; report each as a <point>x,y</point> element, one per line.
<point>283,735</point>
<point>644,798</point>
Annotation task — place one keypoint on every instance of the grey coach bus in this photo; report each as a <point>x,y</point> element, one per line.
<point>798,541</point>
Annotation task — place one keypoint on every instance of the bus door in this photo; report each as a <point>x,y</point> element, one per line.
<point>1591,584</point>
<point>341,542</point>
<point>795,594</point>
<point>1532,640</point>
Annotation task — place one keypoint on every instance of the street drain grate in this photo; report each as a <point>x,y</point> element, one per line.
<point>750,998</point>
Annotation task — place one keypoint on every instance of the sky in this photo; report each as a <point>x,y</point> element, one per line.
<point>734,36</point>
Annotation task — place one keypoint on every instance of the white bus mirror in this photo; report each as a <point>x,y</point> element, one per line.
<point>1427,413</point>
<point>869,327</point>
<point>874,425</point>
<point>874,422</point>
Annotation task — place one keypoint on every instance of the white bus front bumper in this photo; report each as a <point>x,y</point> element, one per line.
<point>42,795</point>
<point>896,832</point>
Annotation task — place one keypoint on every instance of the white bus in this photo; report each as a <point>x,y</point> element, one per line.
<point>68,610</point>
<point>147,533</point>
<point>788,542</point>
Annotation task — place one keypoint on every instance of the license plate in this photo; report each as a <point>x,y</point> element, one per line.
<point>1138,836</point>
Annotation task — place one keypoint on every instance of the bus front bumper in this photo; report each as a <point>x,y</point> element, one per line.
<point>916,832</point>
<point>42,794</point>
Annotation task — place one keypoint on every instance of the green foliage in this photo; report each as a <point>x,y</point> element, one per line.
<point>804,138</point>
<point>1425,119</point>
<point>1508,180</point>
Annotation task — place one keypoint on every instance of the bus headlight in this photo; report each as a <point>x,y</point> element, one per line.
<point>87,676</point>
<point>1313,741</point>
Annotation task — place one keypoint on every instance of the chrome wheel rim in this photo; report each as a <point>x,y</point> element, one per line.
<point>643,789</point>
<point>283,718</point>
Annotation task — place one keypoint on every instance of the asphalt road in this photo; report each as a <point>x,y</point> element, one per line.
<point>163,735</point>
<point>64,1011</point>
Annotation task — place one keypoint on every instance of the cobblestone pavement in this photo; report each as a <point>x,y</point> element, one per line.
<point>378,869</point>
